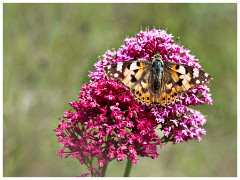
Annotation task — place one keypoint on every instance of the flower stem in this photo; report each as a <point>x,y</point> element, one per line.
<point>103,171</point>
<point>128,169</point>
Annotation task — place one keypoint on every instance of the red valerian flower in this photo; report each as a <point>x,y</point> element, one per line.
<point>107,123</point>
<point>107,128</point>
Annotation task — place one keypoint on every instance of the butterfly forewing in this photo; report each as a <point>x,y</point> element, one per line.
<point>186,76</point>
<point>129,73</point>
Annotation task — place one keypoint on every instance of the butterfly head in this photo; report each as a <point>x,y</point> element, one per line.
<point>157,57</point>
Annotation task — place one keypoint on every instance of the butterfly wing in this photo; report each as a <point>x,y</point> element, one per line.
<point>177,79</point>
<point>138,77</point>
<point>134,75</point>
<point>141,90</point>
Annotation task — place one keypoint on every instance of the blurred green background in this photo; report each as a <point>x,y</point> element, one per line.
<point>48,51</point>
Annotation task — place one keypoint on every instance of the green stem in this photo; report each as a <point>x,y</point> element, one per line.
<point>128,169</point>
<point>104,168</point>
<point>103,171</point>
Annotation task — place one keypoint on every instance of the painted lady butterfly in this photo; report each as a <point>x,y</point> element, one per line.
<point>157,81</point>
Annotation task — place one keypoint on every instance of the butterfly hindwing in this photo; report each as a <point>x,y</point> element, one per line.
<point>169,94</point>
<point>141,90</point>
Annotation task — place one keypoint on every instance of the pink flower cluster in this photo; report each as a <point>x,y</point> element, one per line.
<point>107,123</point>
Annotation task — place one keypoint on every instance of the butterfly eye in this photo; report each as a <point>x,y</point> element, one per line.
<point>157,56</point>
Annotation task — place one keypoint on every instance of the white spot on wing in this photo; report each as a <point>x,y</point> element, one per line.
<point>197,81</point>
<point>133,66</point>
<point>115,75</point>
<point>182,70</point>
<point>109,67</point>
<point>195,73</point>
<point>119,67</point>
<point>206,74</point>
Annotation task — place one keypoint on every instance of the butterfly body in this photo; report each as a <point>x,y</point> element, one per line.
<point>157,72</point>
<point>157,81</point>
